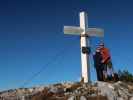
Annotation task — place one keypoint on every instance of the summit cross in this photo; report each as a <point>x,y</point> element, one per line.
<point>85,33</point>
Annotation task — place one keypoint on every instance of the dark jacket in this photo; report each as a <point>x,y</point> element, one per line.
<point>97,59</point>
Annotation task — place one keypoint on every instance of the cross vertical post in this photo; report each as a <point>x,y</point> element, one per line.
<point>83,43</point>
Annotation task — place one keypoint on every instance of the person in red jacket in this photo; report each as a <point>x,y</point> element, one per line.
<point>106,61</point>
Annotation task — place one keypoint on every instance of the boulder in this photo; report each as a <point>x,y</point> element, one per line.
<point>131,98</point>
<point>83,98</point>
<point>71,98</point>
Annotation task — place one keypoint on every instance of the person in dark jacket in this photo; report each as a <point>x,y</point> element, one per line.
<point>108,72</point>
<point>98,64</point>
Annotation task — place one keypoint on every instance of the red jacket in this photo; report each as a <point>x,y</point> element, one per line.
<point>105,54</point>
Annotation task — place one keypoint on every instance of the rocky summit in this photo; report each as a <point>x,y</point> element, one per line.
<point>73,91</point>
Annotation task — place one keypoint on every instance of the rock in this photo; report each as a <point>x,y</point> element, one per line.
<point>71,98</point>
<point>119,98</point>
<point>83,98</point>
<point>106,90</point>
<point>130,88</point>
<point>56,90</point>
<point>131,98</point>
<point>53,90</point>
<point>116,91</point>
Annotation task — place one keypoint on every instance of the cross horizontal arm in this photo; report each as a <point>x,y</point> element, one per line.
<point>72,30</point>
<point>97,32</point>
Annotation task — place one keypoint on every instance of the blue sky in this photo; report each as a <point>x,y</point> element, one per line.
<point>31,34</point>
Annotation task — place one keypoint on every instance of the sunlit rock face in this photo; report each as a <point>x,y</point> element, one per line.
<point>116,91</point>
<point>73,91</point>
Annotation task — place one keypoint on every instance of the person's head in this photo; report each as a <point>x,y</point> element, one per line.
<point>97,49</point>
